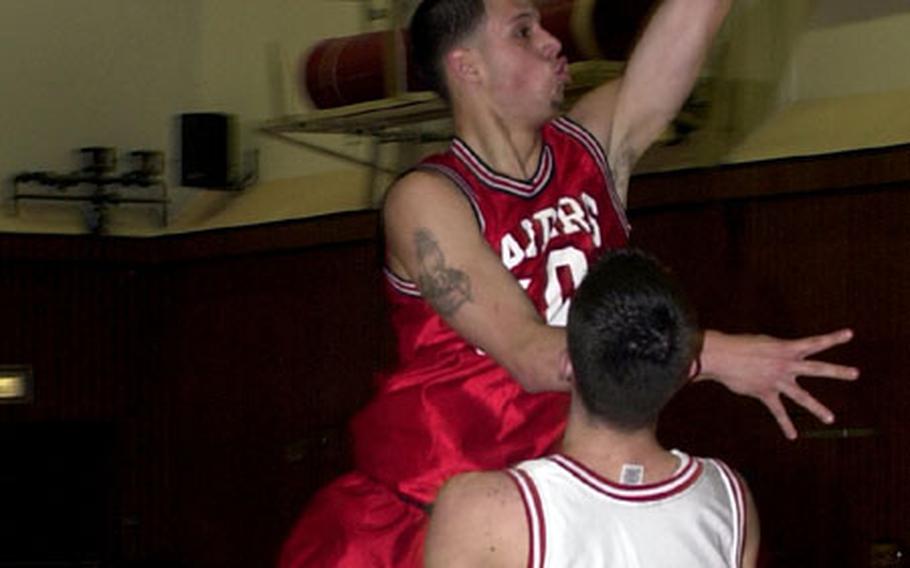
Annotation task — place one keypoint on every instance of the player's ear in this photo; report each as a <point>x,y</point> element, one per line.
<point>463,64</point>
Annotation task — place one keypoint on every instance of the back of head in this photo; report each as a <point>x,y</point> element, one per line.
<point>436,27</point>
<point>632,338</point>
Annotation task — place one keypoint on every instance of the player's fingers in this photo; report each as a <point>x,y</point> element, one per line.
<point>817,343</point>
<point>780,415</point>
<point>802,397</point>
<point>823,369</point>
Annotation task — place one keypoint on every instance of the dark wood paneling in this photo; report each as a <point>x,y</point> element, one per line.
<point>793,264</point>
<point>222,366</point>
<point>76,324</point>
<point>271,357</point>
<point>847,171</point>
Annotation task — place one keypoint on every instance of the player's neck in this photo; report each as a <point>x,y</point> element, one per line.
<point>509,146</point>
<point>606,450</point>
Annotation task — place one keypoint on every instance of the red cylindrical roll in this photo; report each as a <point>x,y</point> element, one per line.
<point>353,69</point>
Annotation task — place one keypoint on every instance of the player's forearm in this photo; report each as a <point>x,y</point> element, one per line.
<point>485,305</point>
<point>709,358</point>
<point>662,71</point>
<point>686,30</point>
<point>538,361</point>
<point>713,359</point>
<point>533,352</point>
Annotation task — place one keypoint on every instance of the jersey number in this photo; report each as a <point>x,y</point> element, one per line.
<point>566,267</point>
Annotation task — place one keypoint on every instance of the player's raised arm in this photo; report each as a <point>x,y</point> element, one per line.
<point>628,114</point>
<point>433,240</point>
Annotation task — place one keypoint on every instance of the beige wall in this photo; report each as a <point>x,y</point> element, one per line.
<point>801,77</point>
<point>248,67</point>
<point>117,72</point>
<point>89,72</point>
<point>845,85</point>
<point>854,58</point>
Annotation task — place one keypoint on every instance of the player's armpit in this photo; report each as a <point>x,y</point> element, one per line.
<point>628,115</point>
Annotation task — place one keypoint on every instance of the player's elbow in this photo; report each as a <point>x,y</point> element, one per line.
<point>540,363</point>
<point>536,375</point>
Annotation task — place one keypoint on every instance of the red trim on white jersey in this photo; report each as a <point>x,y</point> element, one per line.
<point>686,475</point>
<point>738,498</point>
<point>537,530</point>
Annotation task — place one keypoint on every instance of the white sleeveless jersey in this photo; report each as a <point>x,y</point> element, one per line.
<point>696,518</point>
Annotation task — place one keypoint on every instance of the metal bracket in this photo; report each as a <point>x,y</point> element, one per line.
<point>99,195</point>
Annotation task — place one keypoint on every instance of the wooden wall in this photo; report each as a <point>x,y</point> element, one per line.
<point>193,391</point>
<point>208,377</point>
<point>795,248</point>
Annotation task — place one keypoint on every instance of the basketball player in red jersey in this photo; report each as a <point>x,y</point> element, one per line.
<point>485,245</point>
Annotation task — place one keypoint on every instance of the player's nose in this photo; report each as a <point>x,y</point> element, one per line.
<point>549,44</point>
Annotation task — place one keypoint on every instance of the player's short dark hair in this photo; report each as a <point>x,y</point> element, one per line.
<point>436,27</point>
<point>632,338</point>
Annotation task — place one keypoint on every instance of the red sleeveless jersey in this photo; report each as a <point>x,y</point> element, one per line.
<point>448,407</point>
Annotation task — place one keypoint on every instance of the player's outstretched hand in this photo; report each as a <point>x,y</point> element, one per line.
<point>766,367</point>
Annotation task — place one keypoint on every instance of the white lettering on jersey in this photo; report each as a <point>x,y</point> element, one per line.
<point>572,216</point>
<point>548,228</point>
<point>591,208</point>
<point>528,228</point>
<point>511,251</point>
<point>535,232</point>
<point>558,300</point>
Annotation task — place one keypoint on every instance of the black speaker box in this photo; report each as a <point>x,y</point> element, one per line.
<point>206,150</point>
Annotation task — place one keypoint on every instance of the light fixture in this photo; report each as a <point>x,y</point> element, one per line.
<point>16,386</point>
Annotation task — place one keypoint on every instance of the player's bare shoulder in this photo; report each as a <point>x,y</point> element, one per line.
<point>478,520</point>
<point>415,190</point>
<point>490,488</point>
<point>425,207</point>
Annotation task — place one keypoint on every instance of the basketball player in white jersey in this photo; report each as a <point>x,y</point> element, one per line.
<point>612,496</point>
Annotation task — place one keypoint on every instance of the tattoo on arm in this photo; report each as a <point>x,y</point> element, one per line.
<point>446,288</point>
